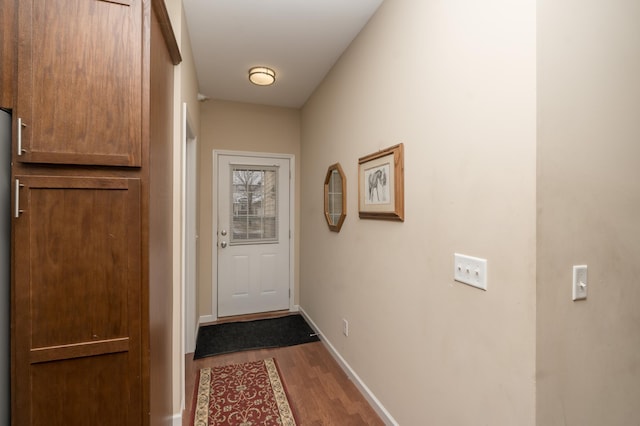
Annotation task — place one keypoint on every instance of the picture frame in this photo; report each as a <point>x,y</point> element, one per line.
<point>335,197</point>
<point>381,184</point>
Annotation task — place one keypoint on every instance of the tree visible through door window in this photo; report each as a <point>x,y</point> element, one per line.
<point>254,204</point>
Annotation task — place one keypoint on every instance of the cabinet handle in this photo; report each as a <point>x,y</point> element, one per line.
<point>20,126</point>
<point>17,211</point>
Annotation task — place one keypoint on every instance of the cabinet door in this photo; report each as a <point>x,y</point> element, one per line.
<point>7,51</point>
<point>76,308</point>
<point>80,82</point>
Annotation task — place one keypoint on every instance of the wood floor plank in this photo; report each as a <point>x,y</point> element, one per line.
<point>320,392</point>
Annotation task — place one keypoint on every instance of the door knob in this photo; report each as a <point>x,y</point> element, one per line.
<point>223,232</point>
<point>223,244</point>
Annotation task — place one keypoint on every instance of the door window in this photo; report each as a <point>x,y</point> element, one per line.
<point>254,205</point>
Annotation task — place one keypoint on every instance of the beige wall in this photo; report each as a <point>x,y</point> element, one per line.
<point>189,95</point>
<point>455,82</point>
<point>233,126</point>
<point>588,203</point>
<point>188,76</point>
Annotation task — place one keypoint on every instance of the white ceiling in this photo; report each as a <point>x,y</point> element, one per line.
<point>299,39</point>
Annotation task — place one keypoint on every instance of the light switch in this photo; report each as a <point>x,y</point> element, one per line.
<point>470,270</point>
<point>579,282</point>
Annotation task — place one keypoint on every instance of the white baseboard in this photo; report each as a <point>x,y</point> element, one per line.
<point>205,319</point>
<point>176,420</point>
<point>362,387</point>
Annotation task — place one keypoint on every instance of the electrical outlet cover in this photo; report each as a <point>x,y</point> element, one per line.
<point>579,286</point>
<point>470,270</point>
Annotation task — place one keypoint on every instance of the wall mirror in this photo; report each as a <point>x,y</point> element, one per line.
<point>335,197</point>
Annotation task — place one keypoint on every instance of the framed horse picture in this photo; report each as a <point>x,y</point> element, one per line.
<point>381,184</point>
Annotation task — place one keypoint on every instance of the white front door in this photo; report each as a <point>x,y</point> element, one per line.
<point>253,238</point>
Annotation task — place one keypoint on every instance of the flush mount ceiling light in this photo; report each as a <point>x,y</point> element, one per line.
<point>262,76</point>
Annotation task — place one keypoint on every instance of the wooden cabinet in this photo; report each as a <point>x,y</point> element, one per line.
<point>82,228</point>
<point>7,52</point>
<point>80,81</point>
<point>77,315</point>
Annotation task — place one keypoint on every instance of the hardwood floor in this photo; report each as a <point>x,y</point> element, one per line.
<point>319,391</point>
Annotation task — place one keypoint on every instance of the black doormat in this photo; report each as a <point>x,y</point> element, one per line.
<point>229,337</point>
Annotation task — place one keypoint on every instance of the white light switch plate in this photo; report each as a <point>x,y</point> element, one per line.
<point>470,270</point>
<point>579,282</point>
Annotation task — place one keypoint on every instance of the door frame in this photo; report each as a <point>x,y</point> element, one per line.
<point>188,244</point>
<point>214,223</point>
<point>189,236</point>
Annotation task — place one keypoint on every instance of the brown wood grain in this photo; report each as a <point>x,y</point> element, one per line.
<point>8,52</point>
<point>122,2</point>
<point>160,9</point>
<point>55,353</point>
<point>398,166</point>
<point>92,250</point>
<point>319,390</point>
<point>94,386</point>
<point>70,280</point>
<point>77,297</point>
<point>80,250</point>
<point>80,82</point>
<point>343,197</point>
<point>160,227</point>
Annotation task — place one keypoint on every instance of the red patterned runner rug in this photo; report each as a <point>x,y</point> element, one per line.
<point>246,394</point>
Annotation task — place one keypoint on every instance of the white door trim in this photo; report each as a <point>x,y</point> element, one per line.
<point>188,240</point>
<point>214,227</point>
<point>189,235</point>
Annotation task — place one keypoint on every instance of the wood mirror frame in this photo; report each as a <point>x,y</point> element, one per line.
<point>335,197</point>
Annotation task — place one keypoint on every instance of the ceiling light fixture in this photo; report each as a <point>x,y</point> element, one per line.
<point>262,76</point>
